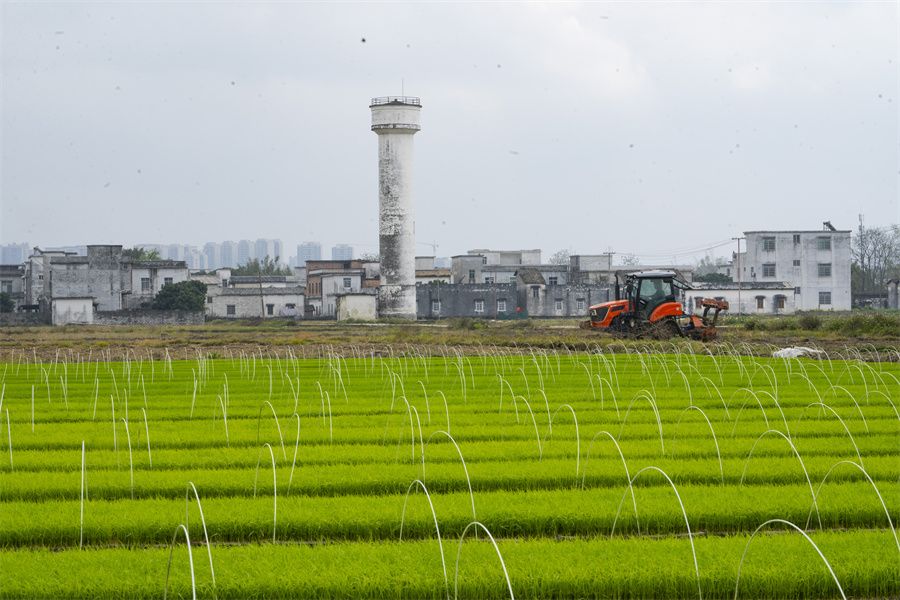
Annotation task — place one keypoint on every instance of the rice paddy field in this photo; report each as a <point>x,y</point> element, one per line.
<point>413,472</point>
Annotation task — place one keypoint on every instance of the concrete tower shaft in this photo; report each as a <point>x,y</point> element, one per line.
<point>396,119</point>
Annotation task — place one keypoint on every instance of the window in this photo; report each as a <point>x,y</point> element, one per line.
<point>479,307</point>
<point>145,285</point>
<point>229,310</point>
<point>579,304</point>
<point>796,263</point>
<point>435,307</point>
<point>471,275</point>
<point>270,309</point>
<point>209,299</point>
<point>768,244</point>
<point>779,302</point>
<point>824,269</point>
<point>760,302</point>
<point>823,243</point>
<point>824,298</point>
<point>796,238</point>
<point>535,292</point>
<point>512,278</point>
<point>553,280</point>
<point>796,291</point>
<point>697,301</point>
<point>291,306</point>
<point>501,306</point>
<point>6,287</point>
<point>769,270</point>
<point>347,283</point>
<point>558,305</point>
<point>484,260</point>
<point>167,281</point>
<point>488,279</point>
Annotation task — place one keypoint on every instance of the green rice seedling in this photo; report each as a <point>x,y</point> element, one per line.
<point>461,460</point>
<point>220,404</point>
<point>274,486</point>
<point>479,525</point>
<point>825,407</point>
<point>296,448</point>
<point>418,484</point>
<point>9,439</point>
<point>834,389</point>
<point>577,435</point>
<point>859,467</point>
<point>537,434</point>
<point>799,459</point>
<point>277,425</point>
<point>744,405</point>
<point>683,512</point>
<point>193,398</point>
<point>887,399</point>
<point>446,409</point>
<point>147,431</point>
<point>712,432</point>
<point>427,407</point>
<point>547,406</point>
<point>511,395</point>
<point>187,539</point>
<point>612,394</point>
<point>737,585</point>
<point>187,500</point>
<point>130,457</point>
<point>81,503</point>
<point>645,395</point>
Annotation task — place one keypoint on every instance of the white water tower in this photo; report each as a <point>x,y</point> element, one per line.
<point>396,119</point>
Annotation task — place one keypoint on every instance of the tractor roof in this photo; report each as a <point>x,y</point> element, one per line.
<point>656,274</point>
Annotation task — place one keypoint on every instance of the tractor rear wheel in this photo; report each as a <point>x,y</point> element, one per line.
<point>664,330</point>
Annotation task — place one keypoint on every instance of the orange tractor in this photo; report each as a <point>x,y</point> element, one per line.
<point>650,308</point>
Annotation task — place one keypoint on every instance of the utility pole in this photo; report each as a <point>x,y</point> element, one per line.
<point>737,260</point>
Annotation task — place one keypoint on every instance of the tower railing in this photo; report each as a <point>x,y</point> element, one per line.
<point>410,100</point>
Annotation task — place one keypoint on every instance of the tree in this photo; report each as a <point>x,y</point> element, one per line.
<point>266,267</point>
<point>184,295</point>
<point>708,265</point>
<point>560,257</point>
<point>876,257</point>
<point>138,253</point>
<point>6,303</point>
<point>629,260</point>
<point>712,278</point>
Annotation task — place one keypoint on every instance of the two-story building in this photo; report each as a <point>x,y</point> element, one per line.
<point>814,263</point>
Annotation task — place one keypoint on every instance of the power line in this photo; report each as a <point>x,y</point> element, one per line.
<point>685,252</point>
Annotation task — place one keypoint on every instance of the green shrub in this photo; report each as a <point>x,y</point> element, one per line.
<point>809,321</point>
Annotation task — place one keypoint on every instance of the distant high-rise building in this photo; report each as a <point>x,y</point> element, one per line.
<point>342,252</point>
<point>14,254</point>
<point>212,255</point>
<point>174,252</point>
<point>261,249</point>
<point>278,252</point>
<point>245,251</point>
<point>308,251</point>
<point>228,254</point>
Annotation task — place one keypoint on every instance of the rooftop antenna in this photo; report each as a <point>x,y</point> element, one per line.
<point>402,90</point>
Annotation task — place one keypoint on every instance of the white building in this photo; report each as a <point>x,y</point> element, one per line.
<point>815,263</point>
<point>149,276</point>
<point>242,303</point>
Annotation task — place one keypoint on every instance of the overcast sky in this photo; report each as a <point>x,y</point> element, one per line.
<point>653,128</point>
